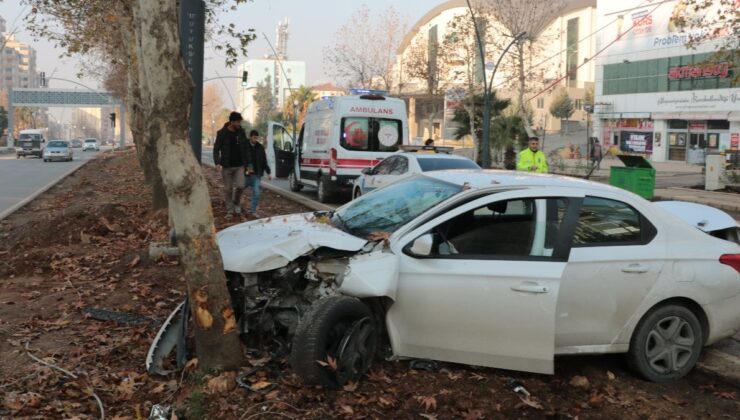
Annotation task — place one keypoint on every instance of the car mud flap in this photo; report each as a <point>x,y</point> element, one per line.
<point>171,335</point>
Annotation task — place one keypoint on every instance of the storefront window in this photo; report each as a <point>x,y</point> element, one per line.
<point>678,124</point>
<point>718,125</point>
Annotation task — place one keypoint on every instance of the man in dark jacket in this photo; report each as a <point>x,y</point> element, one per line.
<point>256,167</point>
<point>230,155</point>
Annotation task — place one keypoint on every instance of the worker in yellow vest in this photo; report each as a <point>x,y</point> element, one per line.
<point>532,159</point>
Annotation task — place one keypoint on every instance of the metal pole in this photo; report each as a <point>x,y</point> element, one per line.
<point>485,156</point>
<point>122,128</point>
<point>192,33</point>
<point>10,138</point>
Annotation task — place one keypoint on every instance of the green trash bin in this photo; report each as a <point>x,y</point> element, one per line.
<point>637,175</point>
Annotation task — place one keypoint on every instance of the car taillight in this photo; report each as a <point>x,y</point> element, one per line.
<point>733,260</point>
<point>333,162</point>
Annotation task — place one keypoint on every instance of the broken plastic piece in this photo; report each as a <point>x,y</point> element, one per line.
<point>160,412</point>
<point>424,364</point>
<point>171,335</point>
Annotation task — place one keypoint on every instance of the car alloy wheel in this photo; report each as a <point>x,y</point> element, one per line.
<point>334,342</point>
<point>666,344</point>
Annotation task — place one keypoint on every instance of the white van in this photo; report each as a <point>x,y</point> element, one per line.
<point>341,136</point>
<point>30,143</point>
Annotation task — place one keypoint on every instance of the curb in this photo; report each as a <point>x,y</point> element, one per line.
<point>40,191</point>
<point>307,202</point>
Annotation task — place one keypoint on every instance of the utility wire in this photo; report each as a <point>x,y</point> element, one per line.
<point>569,72</point>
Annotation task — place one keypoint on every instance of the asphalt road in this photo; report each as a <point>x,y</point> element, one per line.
<point>20,178</point>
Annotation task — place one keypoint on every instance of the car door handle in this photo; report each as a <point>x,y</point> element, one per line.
<point>635,268</point>
<point>530,287</point>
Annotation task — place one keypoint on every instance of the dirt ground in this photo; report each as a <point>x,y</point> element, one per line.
<point>83,245</point>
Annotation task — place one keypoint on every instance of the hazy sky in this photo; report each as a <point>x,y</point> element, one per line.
<point>312,27</point>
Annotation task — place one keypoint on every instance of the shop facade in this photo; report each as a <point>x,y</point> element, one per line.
<point>658,98</point>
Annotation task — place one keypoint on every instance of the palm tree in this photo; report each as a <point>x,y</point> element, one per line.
<point>303,96</point>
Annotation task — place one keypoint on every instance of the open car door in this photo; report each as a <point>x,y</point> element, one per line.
<point>280,149</point>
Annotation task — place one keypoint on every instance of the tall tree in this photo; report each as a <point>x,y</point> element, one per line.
<point>364,49</point>
<point>513,17</point>
<point>143,36</point>
<point>562,107</point>
<point>265,103</point>
<point>715,21</point>
<point>462,55</point>
<point>303,96</point>
<point>213,111</point>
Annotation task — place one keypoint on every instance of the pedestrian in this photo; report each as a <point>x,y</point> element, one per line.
<point>596,154</point>
<point>256,167</point>
<point>532,159</point>
<point>429,143</point>
<point>230,155</point>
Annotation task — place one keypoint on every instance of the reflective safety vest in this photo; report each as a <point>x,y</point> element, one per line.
<point>529,159</point>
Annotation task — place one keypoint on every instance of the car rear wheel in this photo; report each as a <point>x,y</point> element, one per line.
<point>293,183</point>
<point>323,190</point>
<point>335,342</point>
<point>666,343</point>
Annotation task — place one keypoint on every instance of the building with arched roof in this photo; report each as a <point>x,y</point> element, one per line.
<point>559,58</point>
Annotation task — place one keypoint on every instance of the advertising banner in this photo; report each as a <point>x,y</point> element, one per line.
<point>636,142</point>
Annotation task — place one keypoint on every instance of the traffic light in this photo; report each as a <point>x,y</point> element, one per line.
<point>112,117</point>
<point>244,78</point>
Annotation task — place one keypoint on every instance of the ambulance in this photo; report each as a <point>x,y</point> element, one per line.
<point>340,136</point>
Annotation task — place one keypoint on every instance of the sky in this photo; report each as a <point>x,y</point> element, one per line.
<point>313,25</point>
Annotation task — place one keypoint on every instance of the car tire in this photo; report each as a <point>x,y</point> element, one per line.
<point>356,193</point>
<point>666,343</point>
<point>293,183</point>
<point>339,328</point>
<point>322,191</point>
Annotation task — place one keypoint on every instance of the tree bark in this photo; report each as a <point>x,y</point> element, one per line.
<point>169,90</point>
<point>137,112</point>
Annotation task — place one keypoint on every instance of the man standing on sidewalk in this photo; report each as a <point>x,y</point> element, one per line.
<point>532,159</point>
<point>596,154</point>
<point>230,155</point>
<point>256,167</point>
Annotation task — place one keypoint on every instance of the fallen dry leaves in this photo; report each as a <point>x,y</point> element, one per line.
<point>81,246</point>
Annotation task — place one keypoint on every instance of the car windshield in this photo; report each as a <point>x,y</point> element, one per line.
<point>388,209</point>
<point>437,164</point>
<point>90,141</point>
<point>57,143</point>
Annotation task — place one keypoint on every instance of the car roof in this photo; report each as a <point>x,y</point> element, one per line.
<point>435,156</point>
<point>484,178</point>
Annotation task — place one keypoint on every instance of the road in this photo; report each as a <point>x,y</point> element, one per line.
<point>21,178</point>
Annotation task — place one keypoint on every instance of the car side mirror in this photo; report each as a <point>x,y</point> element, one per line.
<point>367,171</point>
<point>422,246</point>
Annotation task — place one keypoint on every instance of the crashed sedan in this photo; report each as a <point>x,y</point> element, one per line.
<point>488,268</point>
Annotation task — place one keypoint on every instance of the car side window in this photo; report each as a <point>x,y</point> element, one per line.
<point>384,167</point>
<point>400,166</point>
<point>517,229</point>
<point>604,222</point>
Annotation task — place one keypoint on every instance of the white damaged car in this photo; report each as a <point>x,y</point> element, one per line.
<point>490,268</point>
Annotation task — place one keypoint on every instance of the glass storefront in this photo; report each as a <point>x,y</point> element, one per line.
<point>689,141</point>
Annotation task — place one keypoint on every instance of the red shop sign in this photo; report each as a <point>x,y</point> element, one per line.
<point>735,140</point>
<point>703,70</point>
<point>697,126</point>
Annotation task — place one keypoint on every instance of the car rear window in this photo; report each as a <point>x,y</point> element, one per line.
<point>371,134</point>
<point>438,164</point>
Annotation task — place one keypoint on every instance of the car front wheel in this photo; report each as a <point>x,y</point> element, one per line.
<point>335,342</point>
<point>666,343</point>
<point>322,190</point>
<point>293,183</point>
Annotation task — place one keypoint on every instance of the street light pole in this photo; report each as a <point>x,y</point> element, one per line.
<point>485,156</point>
<point>295,117</point>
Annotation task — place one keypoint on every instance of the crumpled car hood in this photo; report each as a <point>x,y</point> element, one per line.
<point>271,243</point>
